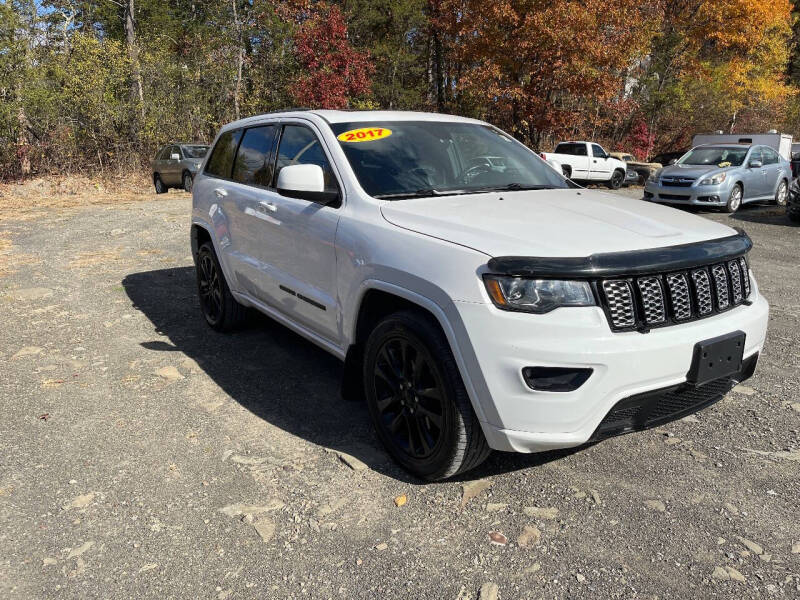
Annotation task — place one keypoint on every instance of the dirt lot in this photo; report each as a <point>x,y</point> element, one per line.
<point>143,455</point>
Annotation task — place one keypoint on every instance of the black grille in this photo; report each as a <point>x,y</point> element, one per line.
<point>673,197</point>
<point>670,298</point>
<point>661,406</point>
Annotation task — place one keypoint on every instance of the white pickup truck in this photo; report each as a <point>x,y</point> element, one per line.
<point>586,161</point>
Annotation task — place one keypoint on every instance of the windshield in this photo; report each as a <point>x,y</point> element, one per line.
<point>194,151</point>
<point>720,157</point>
<point>406,159</point>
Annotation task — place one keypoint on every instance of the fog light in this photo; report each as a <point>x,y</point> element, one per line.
<point>555,379</point>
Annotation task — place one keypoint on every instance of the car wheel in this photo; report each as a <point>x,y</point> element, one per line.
<point>417,400</point>
<point>782,193</point>
<point>566,171</point>
<point>617,178</point>
<point>159,185</point>
<point>220,309</point>
<point>188,180</point>
<point>734,199</point>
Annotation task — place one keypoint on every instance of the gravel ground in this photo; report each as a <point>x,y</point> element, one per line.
<point>144,456</point>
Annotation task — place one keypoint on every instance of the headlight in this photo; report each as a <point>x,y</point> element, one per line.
<point>715,180</point>
<point>537,295</point>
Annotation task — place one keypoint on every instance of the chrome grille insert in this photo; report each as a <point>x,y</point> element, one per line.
<point>721,286</point>
<point>745,276</point>
<point>736,281</point>
<point>679,298</point>
<point>620,303</point>
<point>652,300</point>
<point>702,286</point>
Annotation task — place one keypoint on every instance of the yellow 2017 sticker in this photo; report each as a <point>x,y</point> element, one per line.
<point>365,134</point>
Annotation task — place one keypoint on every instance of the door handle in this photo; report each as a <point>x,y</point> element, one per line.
<point>268,206</point>
<point>595,160</point>
<point>220,193</point>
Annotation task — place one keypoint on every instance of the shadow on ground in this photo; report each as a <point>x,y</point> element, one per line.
<point>277,375</point>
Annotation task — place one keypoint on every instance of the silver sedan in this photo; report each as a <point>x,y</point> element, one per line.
<point>722,175</point>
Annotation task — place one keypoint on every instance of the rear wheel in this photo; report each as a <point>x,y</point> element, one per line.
<point>220,309</point>
<point>617,178</point>
<point>734,199</point>
<point>159,185</point>
<point>417,400</point>
<point>188,181</point>
<point>782,193</point>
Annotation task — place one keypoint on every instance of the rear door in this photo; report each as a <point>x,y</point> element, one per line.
<point>600,168</point>
<point>773,169</point>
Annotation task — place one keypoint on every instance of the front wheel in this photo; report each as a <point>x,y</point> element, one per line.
<point>616,180</point>
<point>782,193</point>
<point>417,400</point>
<point>734,199</point>
<point>188,181</point>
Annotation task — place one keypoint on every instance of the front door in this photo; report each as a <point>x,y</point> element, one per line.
<point>599,164</point>
<point>754,177</point>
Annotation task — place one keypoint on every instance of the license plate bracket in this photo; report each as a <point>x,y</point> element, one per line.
<point>716,358</point>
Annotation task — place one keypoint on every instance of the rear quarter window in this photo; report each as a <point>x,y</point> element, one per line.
<point>220,162</point>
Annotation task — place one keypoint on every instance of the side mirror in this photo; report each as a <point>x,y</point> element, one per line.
<point>174,156</point>
<point>755,164</point>
<point>672,161</point>
<point>306,182</point>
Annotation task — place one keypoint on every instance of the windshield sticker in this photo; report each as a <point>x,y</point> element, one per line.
<point>365,134</point>
<point>724,164</point>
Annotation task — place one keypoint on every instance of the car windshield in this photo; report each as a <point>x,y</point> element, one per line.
<point>410,159</point>
<point>194,151</point>
<point>718,156</point>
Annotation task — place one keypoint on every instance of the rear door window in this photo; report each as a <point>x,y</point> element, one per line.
<point>770,156</point>
<point>256,157</point>
<point>300,146</point>
<point>221,161</point>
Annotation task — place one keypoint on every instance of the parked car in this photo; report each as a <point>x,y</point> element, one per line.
<point>475,304</point>
<point>795,160</point>
<point>587,161</point>
<point>793,202</point>
<point>725,176</point>
<point>668,158</point>
<point>176,164</point>
<point>642,168</point>
<point>631,177</point>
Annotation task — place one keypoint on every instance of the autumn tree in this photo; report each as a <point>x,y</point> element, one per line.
<point>333,71</point>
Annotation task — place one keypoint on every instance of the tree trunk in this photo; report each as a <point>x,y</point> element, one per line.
<point>137,96</point>
<point>239,60</point>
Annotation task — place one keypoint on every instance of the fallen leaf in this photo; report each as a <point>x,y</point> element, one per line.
<point>44,416</point>
<point>498,538</point>
<point>400,500</point>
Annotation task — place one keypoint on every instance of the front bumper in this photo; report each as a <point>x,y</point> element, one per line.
<point>698,195</point>
<point>624,364</point>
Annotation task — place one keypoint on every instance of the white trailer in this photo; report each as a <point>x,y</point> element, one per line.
<point>780,142</point>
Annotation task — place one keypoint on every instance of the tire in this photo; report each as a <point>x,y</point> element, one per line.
<point>566,171</point>
<point>782,193</point>
<point>188,181</point>
<point>734,199</point>
<point>417,400</point>
<point>159,185</point>
<point>617,179</point>
<point>220,309</point>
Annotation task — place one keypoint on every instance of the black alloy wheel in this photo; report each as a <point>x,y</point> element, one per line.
<point>417,399</point>
<point>220,309</point>
<point>409,396</point>
<point>617,178</point>
<point>188,181</point>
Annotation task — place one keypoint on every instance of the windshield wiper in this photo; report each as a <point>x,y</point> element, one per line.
<point>513,187</point>
<point>420,194</point>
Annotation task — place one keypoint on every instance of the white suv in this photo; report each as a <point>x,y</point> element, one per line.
<point>478,299</point>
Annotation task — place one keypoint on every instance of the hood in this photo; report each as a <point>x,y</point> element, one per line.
<point>552,223</point>
<point>692,171</point>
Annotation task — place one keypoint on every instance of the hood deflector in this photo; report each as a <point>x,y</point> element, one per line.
<point>633,262</point>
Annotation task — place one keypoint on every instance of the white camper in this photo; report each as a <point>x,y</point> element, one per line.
<point>780,142</point>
